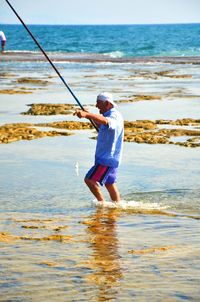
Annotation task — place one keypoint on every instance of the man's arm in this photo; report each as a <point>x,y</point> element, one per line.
<point>97,118</point>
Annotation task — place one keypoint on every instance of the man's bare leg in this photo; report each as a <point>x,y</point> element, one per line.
<point>114,192</point>
<point>95,189</point>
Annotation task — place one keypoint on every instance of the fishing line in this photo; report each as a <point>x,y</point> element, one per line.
<point>46,56</point>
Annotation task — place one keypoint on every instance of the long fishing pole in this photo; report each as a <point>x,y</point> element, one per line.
<point>46,56</point>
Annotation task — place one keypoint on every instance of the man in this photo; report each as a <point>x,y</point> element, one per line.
<point>108,149</point>
<point>3,40</point>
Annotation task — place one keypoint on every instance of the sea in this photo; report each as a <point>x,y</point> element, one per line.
<point>57,243</point>
<point>113,40</point>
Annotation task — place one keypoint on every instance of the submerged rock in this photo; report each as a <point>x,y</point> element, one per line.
<point>150,133</point>
<point>15,91</point>
<point>6,75</point>
<point>139,97</point>
<point>169,74</point>
<point>10,133</point>
<point>151,250</point>
<point>50,109</point>
<point>6,237</point>
<point>70,125</point>
<point>139,131</point>
<point>9,238</point>
<point>60,238</point>
<point>29,80</point>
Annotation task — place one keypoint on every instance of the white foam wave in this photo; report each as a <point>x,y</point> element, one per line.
<point>22,51</point>
<point>115,54</point>
<point>131,204</point>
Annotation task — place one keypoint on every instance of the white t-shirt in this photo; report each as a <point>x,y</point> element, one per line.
<point>2,36</point>
<point>110,140</point>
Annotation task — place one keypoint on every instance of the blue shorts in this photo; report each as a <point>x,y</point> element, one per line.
<point>102,174</point>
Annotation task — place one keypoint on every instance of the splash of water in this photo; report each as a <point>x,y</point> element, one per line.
<point>130,204</point>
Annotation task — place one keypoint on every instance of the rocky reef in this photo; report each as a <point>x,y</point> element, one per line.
<point>21,90</point>
<point>164,131</point>
<point>140,131</point>
<point>50,109</point>
<point>31,80</point>
<point>10,133</point>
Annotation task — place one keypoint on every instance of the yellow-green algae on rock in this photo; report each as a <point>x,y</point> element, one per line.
<point>140,131</point>
<point>10,133</point>
<point>50,109</point>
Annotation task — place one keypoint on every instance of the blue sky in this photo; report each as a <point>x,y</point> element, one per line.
<point>101,11</point>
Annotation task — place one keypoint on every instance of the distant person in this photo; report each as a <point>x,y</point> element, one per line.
<point>108,149</point>
<point>3,40</point>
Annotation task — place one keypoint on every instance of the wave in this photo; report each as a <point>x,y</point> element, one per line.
<point>20,51</point>
<point>145,208</point>
<point>180,53</point>
<point>115,54</point>
<point>105,58</point>
<point>115,41</point>
<point>131,204</point>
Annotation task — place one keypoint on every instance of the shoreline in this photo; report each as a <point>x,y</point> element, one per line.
<point>27,56</point>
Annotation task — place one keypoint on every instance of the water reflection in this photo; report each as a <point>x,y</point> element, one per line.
<point>105,258</point>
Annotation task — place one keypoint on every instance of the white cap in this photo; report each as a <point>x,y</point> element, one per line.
<point>106,96</point>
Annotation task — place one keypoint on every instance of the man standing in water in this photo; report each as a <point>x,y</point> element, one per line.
<point>108,149</point>
<point>3,40</point>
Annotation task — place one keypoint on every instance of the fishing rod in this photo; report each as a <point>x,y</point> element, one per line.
<point>46,56</point>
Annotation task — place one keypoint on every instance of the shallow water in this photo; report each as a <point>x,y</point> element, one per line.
<point>56,244</point>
